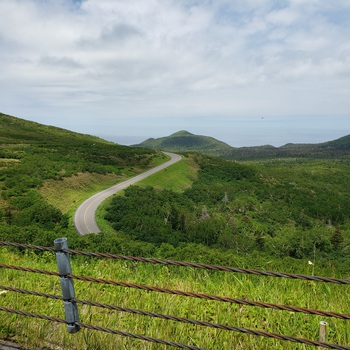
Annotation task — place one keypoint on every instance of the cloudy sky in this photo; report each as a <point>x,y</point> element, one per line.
<point>248,72</point>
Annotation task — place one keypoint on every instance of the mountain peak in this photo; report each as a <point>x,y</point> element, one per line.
<point>182,133</point>
<point>184,141</point>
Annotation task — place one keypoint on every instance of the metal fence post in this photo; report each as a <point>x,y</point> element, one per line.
<point>67,286</point>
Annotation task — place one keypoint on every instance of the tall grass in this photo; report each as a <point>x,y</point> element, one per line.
<point>38,334</point>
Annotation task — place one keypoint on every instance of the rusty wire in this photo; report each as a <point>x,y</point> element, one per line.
<point>108,330</point>
<point>132,311</point>
<point>184,264</point>
<point>10,345</point>
<point>186,294</point>
<point>176,292</point>
<point>183,293</point>
<point>213,325</point>
<point>243,330</point>
<point>30,292</point>
<point>167,317</point>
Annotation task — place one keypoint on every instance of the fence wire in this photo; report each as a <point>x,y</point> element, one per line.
<point>102,329</point>
<point>165,317</point>
<point>184,293</point>
<point>185,264</point>
<point>173,292</point>
<point>200,296</point>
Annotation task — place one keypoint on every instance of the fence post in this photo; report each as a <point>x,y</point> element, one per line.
<point>67,286</point>
<point>323,331</point>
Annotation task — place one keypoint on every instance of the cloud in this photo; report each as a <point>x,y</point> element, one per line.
<point>170,58</point>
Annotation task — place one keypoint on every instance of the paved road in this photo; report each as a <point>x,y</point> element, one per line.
<point>84,217</point>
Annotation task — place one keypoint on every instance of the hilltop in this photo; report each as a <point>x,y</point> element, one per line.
<point>184,141</point>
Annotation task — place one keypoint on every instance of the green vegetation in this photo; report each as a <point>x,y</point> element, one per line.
<point>184,141</point>
<point>177,178</point>
<point>298,211</point>
<point>45,172</point>
<point>274,214</point>
<point>35,333</point>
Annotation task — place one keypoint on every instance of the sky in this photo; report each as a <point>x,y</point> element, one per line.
<point>247,72</point>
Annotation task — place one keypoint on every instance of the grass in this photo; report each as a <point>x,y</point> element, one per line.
<point>177,177</point>
<point>68,193</point>
<point>35,333</point>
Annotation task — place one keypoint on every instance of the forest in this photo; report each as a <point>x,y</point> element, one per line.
<point>295,209</point>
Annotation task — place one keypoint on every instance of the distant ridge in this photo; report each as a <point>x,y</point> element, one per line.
<point>17,130</point>
<point>184,141</point>
<point>338,148</point>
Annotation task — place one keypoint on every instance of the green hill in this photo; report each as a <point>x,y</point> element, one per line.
<point>342,144</point>
<point>184,141</point>
<point>339,148</point>
<point>19,131</point>
<point>46,171</point>
<point>20,138</point>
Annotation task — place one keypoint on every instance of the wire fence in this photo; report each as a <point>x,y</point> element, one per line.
<point>77,324</point>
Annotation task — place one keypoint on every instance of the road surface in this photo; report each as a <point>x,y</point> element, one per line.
<point>84,217</point>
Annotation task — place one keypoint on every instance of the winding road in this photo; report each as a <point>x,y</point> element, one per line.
<point>84,217</point>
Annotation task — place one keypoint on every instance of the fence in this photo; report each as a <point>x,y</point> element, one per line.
<point>70,300</point>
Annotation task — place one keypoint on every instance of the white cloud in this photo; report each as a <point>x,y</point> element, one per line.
<point>283,17</point>
<point>169,58</point>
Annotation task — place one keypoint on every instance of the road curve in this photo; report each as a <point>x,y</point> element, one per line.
<point>84,217</point>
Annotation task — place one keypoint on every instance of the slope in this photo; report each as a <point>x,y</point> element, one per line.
<point>34,156</point>
<point>184,141</point>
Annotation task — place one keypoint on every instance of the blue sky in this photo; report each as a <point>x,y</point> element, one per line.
<point>248,72</point>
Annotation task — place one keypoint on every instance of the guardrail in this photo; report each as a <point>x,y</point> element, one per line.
<point>71,301</point>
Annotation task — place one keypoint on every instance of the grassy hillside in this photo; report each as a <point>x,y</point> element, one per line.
<point>339,148</point>
<point>279,208</point>
<point>342,144</point>
<point>333,149</point>
<point>45,172</point>
<point>19,131</point>
<point>184,141</point>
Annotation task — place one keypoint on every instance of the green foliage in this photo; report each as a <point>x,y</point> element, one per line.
<point>33,333</point>
<point>32,153</point>
<point>275,215</point>
<point>241,208</point>
<point>159,222</point>
<point>296,208</point>
<point>184,141</point>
